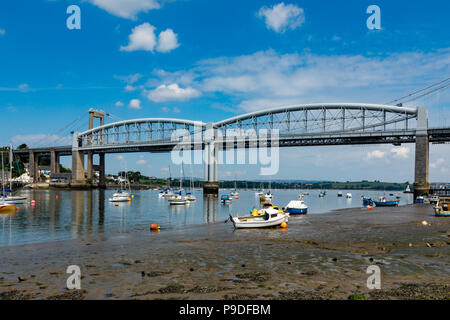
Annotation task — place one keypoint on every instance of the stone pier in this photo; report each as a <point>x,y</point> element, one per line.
<point>421,170</point>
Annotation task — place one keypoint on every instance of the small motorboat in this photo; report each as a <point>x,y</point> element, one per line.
<point>235,194</point>
<point>339,194</point>
<point>120,196</point>
<point>434,200</point>
<point>177,200</point>
<point>386,203</point>
<point>296,207</point>
<point>420,199</point>
<point>190,197</point>
<point>14,199</point>
<point>266,197</point>
<point>6,207</point>
<point>260,221</point>
<point>301,196</point>
<point>441,210</point>
<point>306,193</point>
<point>321,194</point>
<point>226,198</point>
<point>348,195</point>
<point>367,201</point>
<point>259,193</point>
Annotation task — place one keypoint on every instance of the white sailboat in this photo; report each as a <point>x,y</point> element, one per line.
<point>189,195</point>
<point>123,194</point>
<point>10,198</point>
<point>178,199</point>
<point>5,207</point>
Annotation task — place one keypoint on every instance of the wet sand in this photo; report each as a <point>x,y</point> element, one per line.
<point>322,256</point>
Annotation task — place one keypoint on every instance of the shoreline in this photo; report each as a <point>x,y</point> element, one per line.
<point>308,260</point>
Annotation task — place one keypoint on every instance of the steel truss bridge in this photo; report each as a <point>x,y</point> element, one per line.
<point>287,126</point>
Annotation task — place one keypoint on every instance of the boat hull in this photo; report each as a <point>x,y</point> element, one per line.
<point>297,210</point>
<point>386,204</point>
<point>258,222</point>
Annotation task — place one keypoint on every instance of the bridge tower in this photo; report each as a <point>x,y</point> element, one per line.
<point>78,174</point>
<point>210,155</point>
<point>90,161</point>
<point>421,181</point>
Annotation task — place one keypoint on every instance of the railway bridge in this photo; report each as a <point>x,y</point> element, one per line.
<point>319,124</point>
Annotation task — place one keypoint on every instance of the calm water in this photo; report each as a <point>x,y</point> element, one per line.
<point>61,214</point>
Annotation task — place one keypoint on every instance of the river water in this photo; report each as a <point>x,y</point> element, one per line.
<point>70,214</point>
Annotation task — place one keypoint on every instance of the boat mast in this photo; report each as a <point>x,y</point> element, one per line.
<point>3,178</point>
<point>10,168</point>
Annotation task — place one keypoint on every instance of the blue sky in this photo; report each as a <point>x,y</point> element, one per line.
<point>210,60</point>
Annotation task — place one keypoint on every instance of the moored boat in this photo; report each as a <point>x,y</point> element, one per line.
<point>434,200</point>
<point>339,194</point>
<point>420,199</point>
<point>120,196</point>
<point>177,200</point>
<point>383,202</point>
<point>296,207</point>
<point>441,210</point>
<point>259,221</point>
<point>367,201</point>
<point>226,198</point>
<point>6,207</point>
<point>348,195</point>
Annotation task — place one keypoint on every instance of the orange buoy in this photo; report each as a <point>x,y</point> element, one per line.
<point>56,197</point>
<point>369,207</point>
<point>17,209</point>
<point>154,226</point>
<point>283,225</point>
<point>424,223</point>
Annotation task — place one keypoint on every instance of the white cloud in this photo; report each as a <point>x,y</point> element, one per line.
<point>142,37</point>
<point>267,78</point>
<point>281,17</point>
<point>400,152</point>
<point>35,140</point>
<point>129,88</point>
<point>167,41</point>
<point>437,163</point>
<point>126,8</point>
<point>141,162</point>
<point>129,79</point>
<point>165,109</point>
<point>135,104</point>
<point>176,110</point>
<point>119,157</point>
<point>2,32</point>
<point>24,87</point>
<point>118,104</point>
<point>375,154</point>
<point>172,92</point>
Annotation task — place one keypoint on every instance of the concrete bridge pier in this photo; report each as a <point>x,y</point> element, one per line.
<point>421,170</point>
<point>78,178</point>
<point>54,161</point>
<point>210,155</point>
<point>33,165</point>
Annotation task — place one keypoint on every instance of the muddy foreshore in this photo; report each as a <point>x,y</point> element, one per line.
<point>323,256</point>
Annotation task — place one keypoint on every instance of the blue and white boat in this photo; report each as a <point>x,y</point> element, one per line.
<point>367,201</point>
<point>296,207</point>
<point>386,203</point>
<point>226,198</point>
<point>420,199</point>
